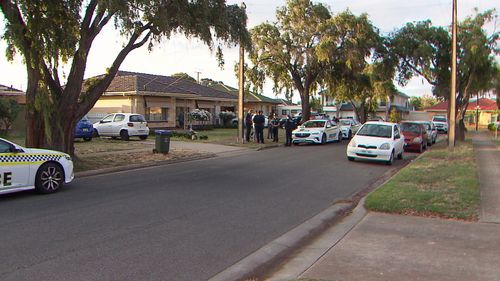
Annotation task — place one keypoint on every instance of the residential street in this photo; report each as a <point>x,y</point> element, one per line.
<point>186,221</point>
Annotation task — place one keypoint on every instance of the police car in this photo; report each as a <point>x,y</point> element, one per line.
<point>28,168</point>
<point>317,131</point>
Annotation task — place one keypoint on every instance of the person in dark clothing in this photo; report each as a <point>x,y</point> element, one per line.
<point>289,126</point>
<point>259,121</point>
<point>275,124</point>
<point>248,125</point>
<point>270,129</point>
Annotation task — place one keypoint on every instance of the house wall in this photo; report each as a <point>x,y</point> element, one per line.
<point>106,105</point>
<point>347,114</point>
<point>266,108</point>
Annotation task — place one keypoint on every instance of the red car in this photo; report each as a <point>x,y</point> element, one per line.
<point>415,136</point>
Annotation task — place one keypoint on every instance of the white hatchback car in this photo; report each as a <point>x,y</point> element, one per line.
<point>123,125</point>
<point>28,168</point>
<point>380,141</point>
<point>317,131</point>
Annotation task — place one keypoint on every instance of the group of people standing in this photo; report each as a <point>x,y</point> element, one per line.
<point>257,122</point>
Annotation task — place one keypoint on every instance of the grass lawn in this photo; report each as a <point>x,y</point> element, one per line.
<point>438,184</point>
<point>228,136</point>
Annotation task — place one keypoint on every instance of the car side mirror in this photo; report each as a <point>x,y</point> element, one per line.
<point>397,137</point>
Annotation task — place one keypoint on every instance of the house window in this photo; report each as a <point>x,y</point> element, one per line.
<point>382,103</point>
<point>157,114</point>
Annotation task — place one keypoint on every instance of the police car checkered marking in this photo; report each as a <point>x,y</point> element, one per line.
<point>29,158</point>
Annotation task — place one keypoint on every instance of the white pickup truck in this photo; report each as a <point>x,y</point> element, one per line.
<point>441,123</point>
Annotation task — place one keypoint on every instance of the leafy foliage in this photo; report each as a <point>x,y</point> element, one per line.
<point>394,117</point>
<point>358,68</point>
<point>199,115</point>
<point>424,50</point>
<point>285,51</point>
<point>423,102</point>
<point>49,34</point>
<point>9,110</point>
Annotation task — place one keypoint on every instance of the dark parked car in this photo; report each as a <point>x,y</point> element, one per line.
<point>415,136</point>
<point>84,129</point>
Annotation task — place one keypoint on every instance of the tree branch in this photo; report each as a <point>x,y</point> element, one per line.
<point>93,94</point>
<point>414,68</point>
<point>88,15</point>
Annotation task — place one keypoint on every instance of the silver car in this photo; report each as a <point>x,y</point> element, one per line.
<point>431,132</point>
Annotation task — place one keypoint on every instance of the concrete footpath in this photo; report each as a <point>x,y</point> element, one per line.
<point>376,246</point>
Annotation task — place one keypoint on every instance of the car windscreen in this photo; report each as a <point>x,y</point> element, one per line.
<point>137,118</point>
<point>345,122</point>
<point>410,127</point>
<point>439,119</point>
<point>376,130</point>
<point>314,124</point>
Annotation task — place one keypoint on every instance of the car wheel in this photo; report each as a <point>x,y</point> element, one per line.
<point>339,137</point>
<point>323,139</point>
<point>349,135</point>
<point>87,139</point>
<point>400,155</point>
<point>95,133</point>
<point>350,158</point>
<point>391,160</point>
<point>124,135</point>
<point>49,178</point>
<point>143,137</point>
<point>421,148</point>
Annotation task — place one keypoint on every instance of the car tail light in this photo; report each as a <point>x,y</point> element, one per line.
<point>130,124</point>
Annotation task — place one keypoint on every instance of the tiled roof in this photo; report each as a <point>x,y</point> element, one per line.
<point>249,97</point>
<point>126,81</point>
<point>484,104</point>
<point>10,90</point>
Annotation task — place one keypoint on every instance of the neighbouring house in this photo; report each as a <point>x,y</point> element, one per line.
<point>399,102</point>
<point>6,92</point>
<point>161,99</point>
<point>12,93</point>
<point>251,100</point>
<point>484,108</point>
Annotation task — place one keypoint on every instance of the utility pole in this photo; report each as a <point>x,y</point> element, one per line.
<point>241,92</point>
<point>452,126</point>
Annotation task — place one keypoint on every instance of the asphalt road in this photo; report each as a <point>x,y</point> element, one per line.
<point>186,221</point>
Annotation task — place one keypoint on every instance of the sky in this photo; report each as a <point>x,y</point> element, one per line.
<point>194,58</point>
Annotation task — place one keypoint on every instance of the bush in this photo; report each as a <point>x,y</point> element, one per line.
<point>226,117</point>
<point>199,115</point>
<point>9,109</point>
<point>492,127</point>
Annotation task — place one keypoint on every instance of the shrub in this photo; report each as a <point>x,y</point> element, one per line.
<point>394,116</point>
<point>199,115</point>
<point>226,117</point>
<point>492,127</point>
<point>9,109</point>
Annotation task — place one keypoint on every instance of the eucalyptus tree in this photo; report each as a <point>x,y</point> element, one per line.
<point>285,51</point>
<point>357,68</point>
<point>424,50</point>
<point>51,34</point>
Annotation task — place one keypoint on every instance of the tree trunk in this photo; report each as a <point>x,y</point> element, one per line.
<point>35,133</point>
<point>306,108</point>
